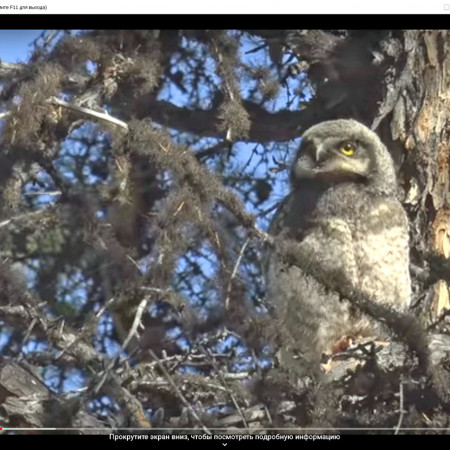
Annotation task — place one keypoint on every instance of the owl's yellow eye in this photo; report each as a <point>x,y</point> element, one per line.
<point>347,148</point>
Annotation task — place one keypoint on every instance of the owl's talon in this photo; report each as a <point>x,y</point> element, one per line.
<point>326,366</point>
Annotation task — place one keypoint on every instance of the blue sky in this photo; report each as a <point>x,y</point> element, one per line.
<point>15,44</point>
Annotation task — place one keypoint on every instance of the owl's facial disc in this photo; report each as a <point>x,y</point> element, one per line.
<point>332,161</point>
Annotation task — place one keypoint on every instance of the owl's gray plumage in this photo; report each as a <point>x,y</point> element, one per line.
<point>344,218</point>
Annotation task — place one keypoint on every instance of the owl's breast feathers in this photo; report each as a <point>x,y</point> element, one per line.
<point>359,235</point>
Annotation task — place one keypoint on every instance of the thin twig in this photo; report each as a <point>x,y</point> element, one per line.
<point>82,334</point>
<point>49,193</point>
<point>104,307</point>
<point>50,37</point>
<point>6,222</point>
<point>137,320</point>
<point>28,332</point>
<point>177,391</point>
<point>402,411</point>
<point>133,261</point>
<point>152,289</point>
<point>133,332</point>
<point>235,269</point>
<point>225,385</point>
<point>89,112</point>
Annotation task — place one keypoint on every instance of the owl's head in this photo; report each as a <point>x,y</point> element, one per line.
<point>344,150</point>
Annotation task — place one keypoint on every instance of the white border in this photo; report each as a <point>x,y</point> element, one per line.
<point>252,7</point>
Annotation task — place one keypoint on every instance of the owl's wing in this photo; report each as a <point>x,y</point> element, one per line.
<point>381,247</point>
<point>311,317</point>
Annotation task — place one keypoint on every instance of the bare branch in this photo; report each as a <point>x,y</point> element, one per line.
<point>265,126</point>
<point>89,112</point>
<point>232,396</point>
<point>8,69</point>
<point>24,216</point>
<point>178,392</point>
<point>401,410</point>
<point>235,269</point>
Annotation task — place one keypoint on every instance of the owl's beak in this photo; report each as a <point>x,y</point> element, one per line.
<point>319,152</point>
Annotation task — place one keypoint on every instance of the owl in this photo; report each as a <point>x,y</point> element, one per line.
<point>343,218</point>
